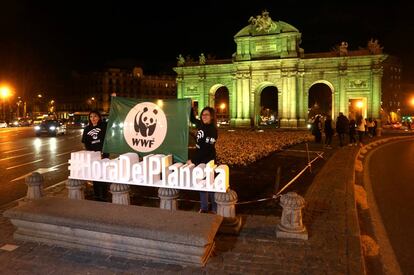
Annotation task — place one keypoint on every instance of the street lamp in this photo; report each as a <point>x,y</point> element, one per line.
<point>5,92</point>
<point>222,107</point>
<point>412,101</point>
<point>52,106</point>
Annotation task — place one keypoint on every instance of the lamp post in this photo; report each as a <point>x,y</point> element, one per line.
<point>19,101</point>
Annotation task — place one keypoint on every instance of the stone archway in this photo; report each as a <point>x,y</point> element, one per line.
<point>220,101</point>
<point>320,99</point>
<point>269,111</point>
<point>266,107</point>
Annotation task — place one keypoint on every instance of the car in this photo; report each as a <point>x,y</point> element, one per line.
<point>50,127</point>
<point>3,124</point>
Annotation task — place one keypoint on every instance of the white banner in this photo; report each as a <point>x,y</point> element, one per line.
<point>153,170</point>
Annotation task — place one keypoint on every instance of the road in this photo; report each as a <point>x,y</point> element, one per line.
<point>22,153</point>
<point>391,172</point>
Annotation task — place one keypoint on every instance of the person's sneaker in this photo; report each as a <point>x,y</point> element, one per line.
<point>202,211</point>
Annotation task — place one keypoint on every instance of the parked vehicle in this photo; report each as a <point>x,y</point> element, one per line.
<point>3,124</point>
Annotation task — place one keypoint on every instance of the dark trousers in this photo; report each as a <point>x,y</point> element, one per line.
<point>204,196</point>
<point>100,190</point>
<point>318,137</point>
<point>341,139</point>
<point>361,136</point>
<point>352,138</point>
<point>328,138</point>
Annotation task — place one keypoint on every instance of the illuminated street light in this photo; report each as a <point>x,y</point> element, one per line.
<point>222,106</point>
<point>359,104</point>
<point>5,92</point>
<point>39,95</point>
<point>412,101</point>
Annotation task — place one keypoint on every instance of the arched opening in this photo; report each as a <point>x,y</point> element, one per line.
<point>221,105</point>
<point>269,106</point>
<point>319,100</point>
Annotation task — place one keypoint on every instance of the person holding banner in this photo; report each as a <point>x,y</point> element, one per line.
<point>93,139</point>
<point>205,149</point>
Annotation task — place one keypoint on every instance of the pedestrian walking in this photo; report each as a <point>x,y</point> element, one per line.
<point>329,131</point>
<point>317,128</point>
<point>360,127</point>
<point>352,133</point>
<point>342,127</point>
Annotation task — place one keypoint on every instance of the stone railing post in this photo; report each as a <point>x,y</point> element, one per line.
<point>168,198</point>
<point>226,207</point>
<point>34,184</point>
<point>120,193</point>
<point>75,189</point>
<point>291,225</point>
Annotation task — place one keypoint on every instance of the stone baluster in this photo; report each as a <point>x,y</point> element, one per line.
<point>226,207</point>
<point>75,189</point>
<point>168,198</point>
<point>34,184</point>
<point>120,193</point>
<point>291,225</point>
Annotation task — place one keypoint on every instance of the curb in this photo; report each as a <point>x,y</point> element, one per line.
<point>386,255</point>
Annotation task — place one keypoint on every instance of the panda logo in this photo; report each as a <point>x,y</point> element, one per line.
<point>145,127</point>
<point>146,122</point>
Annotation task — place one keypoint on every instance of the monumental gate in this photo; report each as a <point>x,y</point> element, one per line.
<point>269,59</point>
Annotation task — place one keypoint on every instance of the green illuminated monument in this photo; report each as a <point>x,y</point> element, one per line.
<point>269,56</point>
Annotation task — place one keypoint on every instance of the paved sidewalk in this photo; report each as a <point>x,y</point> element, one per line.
<point>330,216</point>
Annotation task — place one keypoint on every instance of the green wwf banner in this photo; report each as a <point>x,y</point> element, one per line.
<point>148,127</point>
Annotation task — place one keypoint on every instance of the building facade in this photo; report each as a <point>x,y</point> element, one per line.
<point>93,90</point>
<point>268,56</point>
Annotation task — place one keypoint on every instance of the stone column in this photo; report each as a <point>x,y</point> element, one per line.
<point>376,93</point>
<point>179,87</point>
<point>34,184</point>
<point>343,104</point>
<point>246,98</point>
<point>75,189</point>
<point>120,193</point>
<point>168,198</point>
<point>303,110</point>
<point>293,122</point>
<point>233,101</point>
<point>291,225</point>
<point>285,102</point>
<point>239,97</point>
<point>226,207</point>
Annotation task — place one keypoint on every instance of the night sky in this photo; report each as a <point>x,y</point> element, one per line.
<point>43,41</point>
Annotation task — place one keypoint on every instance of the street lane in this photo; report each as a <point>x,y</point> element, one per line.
<point>22,153</point>
<point>392,179</point>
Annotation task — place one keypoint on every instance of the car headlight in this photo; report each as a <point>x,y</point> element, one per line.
<point>37,128</point>
<point>52,128</point>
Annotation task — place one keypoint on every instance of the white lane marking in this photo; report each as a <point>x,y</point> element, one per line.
<point>41,171</point>
<point>54,185</point>
<point>20,165</point>
<point>15,150</point>
<point>64,163</point>
<point>14,157</point>
<point>68,152</point>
